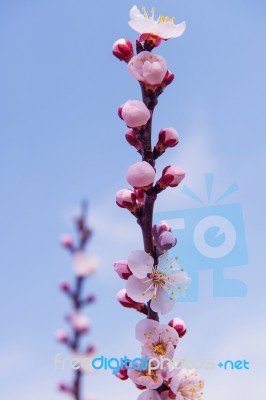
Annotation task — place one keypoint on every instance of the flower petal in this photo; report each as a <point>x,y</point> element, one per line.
<point>139,289</point>
<point>140,263</point>
<point>162,304</point>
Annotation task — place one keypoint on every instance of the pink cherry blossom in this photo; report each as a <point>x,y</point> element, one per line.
<point>159,228</point>
<point>161,284</point>
<point>123,49</point>
<point>83,264</point>
<point>140,174</point>
<point>179,325</point>
<point>187,384</point>
<point>148,68</point>
<point>163,27</point>
<point>147,380</point>
<point>134,113</point>
<point>149,395</point>
<point>66,241</point>
<point>157,340</point>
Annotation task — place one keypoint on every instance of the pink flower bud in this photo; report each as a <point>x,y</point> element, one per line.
<point>140,175</point>
<point>134,113</point>
<point>65,287</point>
<point>66,241</point>
<point>121,268</point>
<point>148,68</point>
<point>158,229</point>
<point>179,325</point>
<point>166,241</point>
<point>131,138</point>
<point>122,374</point>
<point>61,336</point>
<point>127,302</point>
<point>140,196</point>
<point>168,137</point>
<point>171,176</point>
<point>123,50</point>
<point>126,198</point>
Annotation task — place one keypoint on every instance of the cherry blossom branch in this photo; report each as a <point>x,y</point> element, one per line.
<point>78,322</point>
<point>154,279</point>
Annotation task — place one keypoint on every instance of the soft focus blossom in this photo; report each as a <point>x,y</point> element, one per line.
<point>134,113</point>
<point>126,198</point>
<point>121,268</point>
<point>127,302</point>
<point>140,174</point>
<point>166,241</point>
<point>157,340</point>
<point>187,384</point>
<point>79,322</point>
<point>65,287</point>
<point>161,285</point>
<point>123,50</point>
<point>171,176</point>
<point>147,380</point>
<point>149,395</point>
<point>84,265</point>
<point>179,325</point>
<point>61,336</point>
<point>163,27</point>
<point>66,241</point>
<point>148,68</point>
<point>131,138</point>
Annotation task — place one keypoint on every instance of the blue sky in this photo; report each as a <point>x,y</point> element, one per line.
<point>61,141</point>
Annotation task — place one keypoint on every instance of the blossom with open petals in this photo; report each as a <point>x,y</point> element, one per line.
<point>157,340</point>
<point>161,284</point>
<point>146,379</point>
<point>187,384</point>
<point>148,68</point>
<point>163,27</point>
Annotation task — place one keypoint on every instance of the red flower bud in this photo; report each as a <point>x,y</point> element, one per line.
<point>179,325</point>
<point>131,138</point>
<point>123,50</point>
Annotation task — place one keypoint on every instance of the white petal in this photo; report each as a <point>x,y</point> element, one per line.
<point>140,263</point>
<point>162,303</point>
<point>138,290</point>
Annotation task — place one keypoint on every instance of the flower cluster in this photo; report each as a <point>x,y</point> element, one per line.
<point>154,280</point>
<point>83,267</point>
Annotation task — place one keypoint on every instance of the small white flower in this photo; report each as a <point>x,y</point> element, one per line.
<point>163,27</point>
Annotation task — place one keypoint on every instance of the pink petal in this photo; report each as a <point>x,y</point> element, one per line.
<point>149,395</point>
